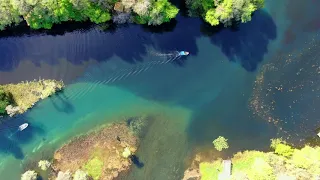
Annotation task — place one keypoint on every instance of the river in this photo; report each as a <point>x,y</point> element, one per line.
<point>249,84</point>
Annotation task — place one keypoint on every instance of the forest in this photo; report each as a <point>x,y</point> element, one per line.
<point>45,13</point>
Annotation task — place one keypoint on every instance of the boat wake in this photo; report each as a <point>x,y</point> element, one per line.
<point>94,76</point>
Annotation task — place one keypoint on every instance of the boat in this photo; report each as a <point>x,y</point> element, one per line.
<point>23,126</point>
<point>183,53</point>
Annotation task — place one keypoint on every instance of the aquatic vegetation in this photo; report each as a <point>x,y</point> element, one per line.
<point>94,168</point>
<point>44,165</point>
<point>255,165</point>
<point>137,125</point>
<point>26,94</point>
<point>216,12</point>
<point>98,153</point>
<point>44,14</point>
<point>275,81</point>
<point>29,175</point>
<point>5,100</point>
<point>81,175</point>
<point>220,143</point>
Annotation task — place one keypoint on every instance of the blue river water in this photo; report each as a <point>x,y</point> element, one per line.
<point>249,84</point>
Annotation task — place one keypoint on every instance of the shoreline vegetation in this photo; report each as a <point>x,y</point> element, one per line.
<point>102,153</point>
<point>18,98</point>
<point>43,14</point>
<point>284,162</point>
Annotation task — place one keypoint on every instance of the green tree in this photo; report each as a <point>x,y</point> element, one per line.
<point>8,15</point>
<point>96,13</point>
<point>224,11</point>
<point>280,147</point>
<point>45,13</point>
<point>160,11</point>
<point>220,143</point>
<point>5,100</point>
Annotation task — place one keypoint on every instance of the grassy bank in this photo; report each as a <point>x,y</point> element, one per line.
<point>25,94</point>
<point>285,162</point>
<point>101,153</point>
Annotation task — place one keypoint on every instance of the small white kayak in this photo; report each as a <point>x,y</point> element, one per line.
<point>23,126</point>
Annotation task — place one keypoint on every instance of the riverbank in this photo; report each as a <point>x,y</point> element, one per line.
<point>285,162</point>
<point>24,95</point>
<point>101,153</point>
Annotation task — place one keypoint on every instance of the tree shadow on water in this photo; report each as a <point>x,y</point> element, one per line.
<point>80,44</point>
<point>11,138</point>
<point>246,43</point>
<point>136,161</point>
<point>61,103</point>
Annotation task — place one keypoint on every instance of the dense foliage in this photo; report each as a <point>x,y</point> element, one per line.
<point>285,162</point>
<point>44,164</point>
<point>220,143</point>
<point>224,11</point>
<point>94,168</point>
<point>45,13</point>
<point>155,13</point>
<point>5,100</point>
<point>29,175</point>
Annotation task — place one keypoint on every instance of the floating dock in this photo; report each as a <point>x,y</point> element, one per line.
<point>226,173</point>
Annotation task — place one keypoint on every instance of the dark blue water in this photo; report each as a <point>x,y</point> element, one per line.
<point>228,85</point>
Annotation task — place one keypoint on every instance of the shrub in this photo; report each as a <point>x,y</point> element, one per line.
<point>94,168</point>
<point>220,143</point>
<point>29,175</point>
<point>284,150</point>
<point>126,153</point>
<point>80,175</point>
<point>280,147</point>
<point>44,165</point>
<point>64,175</point>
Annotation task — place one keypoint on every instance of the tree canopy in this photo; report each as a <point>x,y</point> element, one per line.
<point>44,13</point>
<point>5,100</point>
<point>224,11</point>
<point>220,143</point>
<point>284,162</point>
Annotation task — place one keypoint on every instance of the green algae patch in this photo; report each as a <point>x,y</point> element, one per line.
<point>94,168</point>
<point>98,153</point>
<point>26,94</point>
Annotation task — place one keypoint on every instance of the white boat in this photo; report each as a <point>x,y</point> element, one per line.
<point>23,126</point>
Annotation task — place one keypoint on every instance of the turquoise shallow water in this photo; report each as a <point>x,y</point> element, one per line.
<point>194,100</point>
